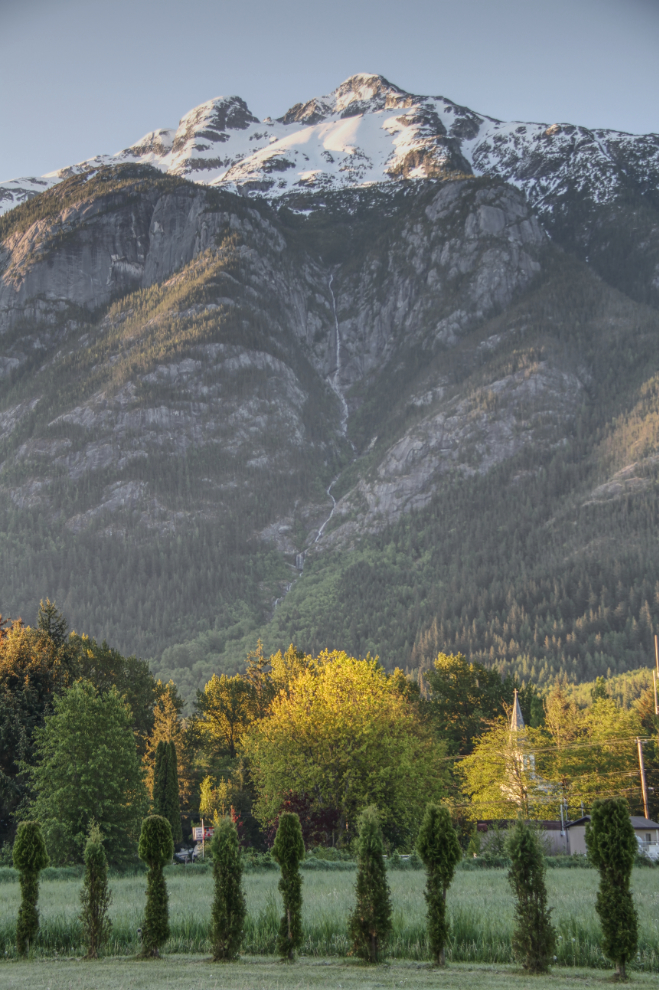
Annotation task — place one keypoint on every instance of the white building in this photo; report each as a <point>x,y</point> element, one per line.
<point>647,836</point>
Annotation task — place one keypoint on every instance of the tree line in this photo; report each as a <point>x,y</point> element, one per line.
<point>88,735</point>
<point>610,839</point>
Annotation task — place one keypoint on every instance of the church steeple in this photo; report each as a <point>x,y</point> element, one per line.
<point>517,719</point>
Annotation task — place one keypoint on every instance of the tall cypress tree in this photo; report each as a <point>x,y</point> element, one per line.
<point>370,923</point>
<point>534,936</point>
<point>172,803</point>
<point>612,848</point>
<point>440,851</point>
<point>160,779</point>
<point>95,895</point>
<point>165,788</point>
<point>30,857</point>
<point>288,851</point>
<point>156,848</point>
<point>229,907</point>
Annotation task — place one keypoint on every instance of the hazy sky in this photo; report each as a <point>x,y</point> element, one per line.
<point>80,77</point>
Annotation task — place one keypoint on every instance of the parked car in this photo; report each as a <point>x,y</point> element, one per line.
<point>186,855</point>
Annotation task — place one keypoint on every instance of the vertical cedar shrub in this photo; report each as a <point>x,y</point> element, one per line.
<point>612,848</point>
<point>288,851</point>
<point>439,848</point>
<point>156,848</point>
<point>95,896</point>
<point>30,857</point>
<point>165,788</point>
<point>534,937</point>
<point>229,906</point>
<point>370,922</point>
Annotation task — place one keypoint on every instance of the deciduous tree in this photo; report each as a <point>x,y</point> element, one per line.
<point>87,769</point>
<point>501,775</point>
<point>225,710</point>
<point>344,735</point>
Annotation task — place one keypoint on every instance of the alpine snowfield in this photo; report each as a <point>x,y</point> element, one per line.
<point>370,131</point>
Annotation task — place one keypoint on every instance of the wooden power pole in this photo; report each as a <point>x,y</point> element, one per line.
<point>644,786</point>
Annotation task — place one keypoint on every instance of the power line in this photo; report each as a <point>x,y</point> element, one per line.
<point>562,749</point>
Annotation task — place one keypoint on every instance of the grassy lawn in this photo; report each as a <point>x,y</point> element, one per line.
<point>183,972</point>
<point>480,904</point>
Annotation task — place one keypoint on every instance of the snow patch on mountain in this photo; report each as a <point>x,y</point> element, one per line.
<point>369,131</point>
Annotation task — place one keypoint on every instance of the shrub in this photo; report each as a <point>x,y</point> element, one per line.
<point>534,937</point>
<point>370,923</point>
<point>95,895</point>
<point>288,850</point>
<point>30,857</point>
<point>612,847</point>
<point>439,848</point>
<point>156,848</point>
<point>229,906</point>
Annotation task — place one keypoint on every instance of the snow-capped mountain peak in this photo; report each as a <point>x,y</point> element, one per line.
<point>370,131</point>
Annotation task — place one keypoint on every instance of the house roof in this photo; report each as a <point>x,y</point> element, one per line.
<point>643,822</point>
<point>548,825</point>
<point>637,822</point>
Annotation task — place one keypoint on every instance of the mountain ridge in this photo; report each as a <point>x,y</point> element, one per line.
<point>389,416</point>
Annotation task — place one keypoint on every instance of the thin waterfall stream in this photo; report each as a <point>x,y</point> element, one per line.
<point>333,380</point>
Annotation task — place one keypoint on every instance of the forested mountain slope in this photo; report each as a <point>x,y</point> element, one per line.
<point>396,412</point>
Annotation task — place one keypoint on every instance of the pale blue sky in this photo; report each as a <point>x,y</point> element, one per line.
<point>79,77</point>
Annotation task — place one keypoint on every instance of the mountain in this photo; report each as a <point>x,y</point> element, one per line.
<point>379,375</point>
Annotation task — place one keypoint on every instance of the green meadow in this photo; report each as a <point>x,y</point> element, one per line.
<point>480,904</point>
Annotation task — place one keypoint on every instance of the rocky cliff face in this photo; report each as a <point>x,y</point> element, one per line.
<point>581,183</point>
<point>217,388</point>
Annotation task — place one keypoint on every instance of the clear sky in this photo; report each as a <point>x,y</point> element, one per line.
<point>80,77</point>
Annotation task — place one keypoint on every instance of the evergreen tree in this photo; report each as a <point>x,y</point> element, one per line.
<point>156,848</point>
<point>612,848</point>
<point>440,851</point>
<point>165,788</point>
<point>534,936</point>
<point>30,857</point>
<point>288,851</point>
<point>95,896</point>
<point>370,923</point>
<point>51,621</point>
<point>172,803</point>
<point>160,779</point>
<point>229,906</point>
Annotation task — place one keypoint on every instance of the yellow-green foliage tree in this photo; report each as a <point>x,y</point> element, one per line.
<point>344,735</point>
<point>225,710</point>
<point>501,775</point>
<point>578,756</point>
<point>168,726</point>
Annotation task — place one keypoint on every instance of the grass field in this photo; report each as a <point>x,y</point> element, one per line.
<point>480,904</point>
<point>193,972</point>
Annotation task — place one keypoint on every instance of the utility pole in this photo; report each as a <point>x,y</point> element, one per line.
<point>655,673</point>
<point>644,786</point>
